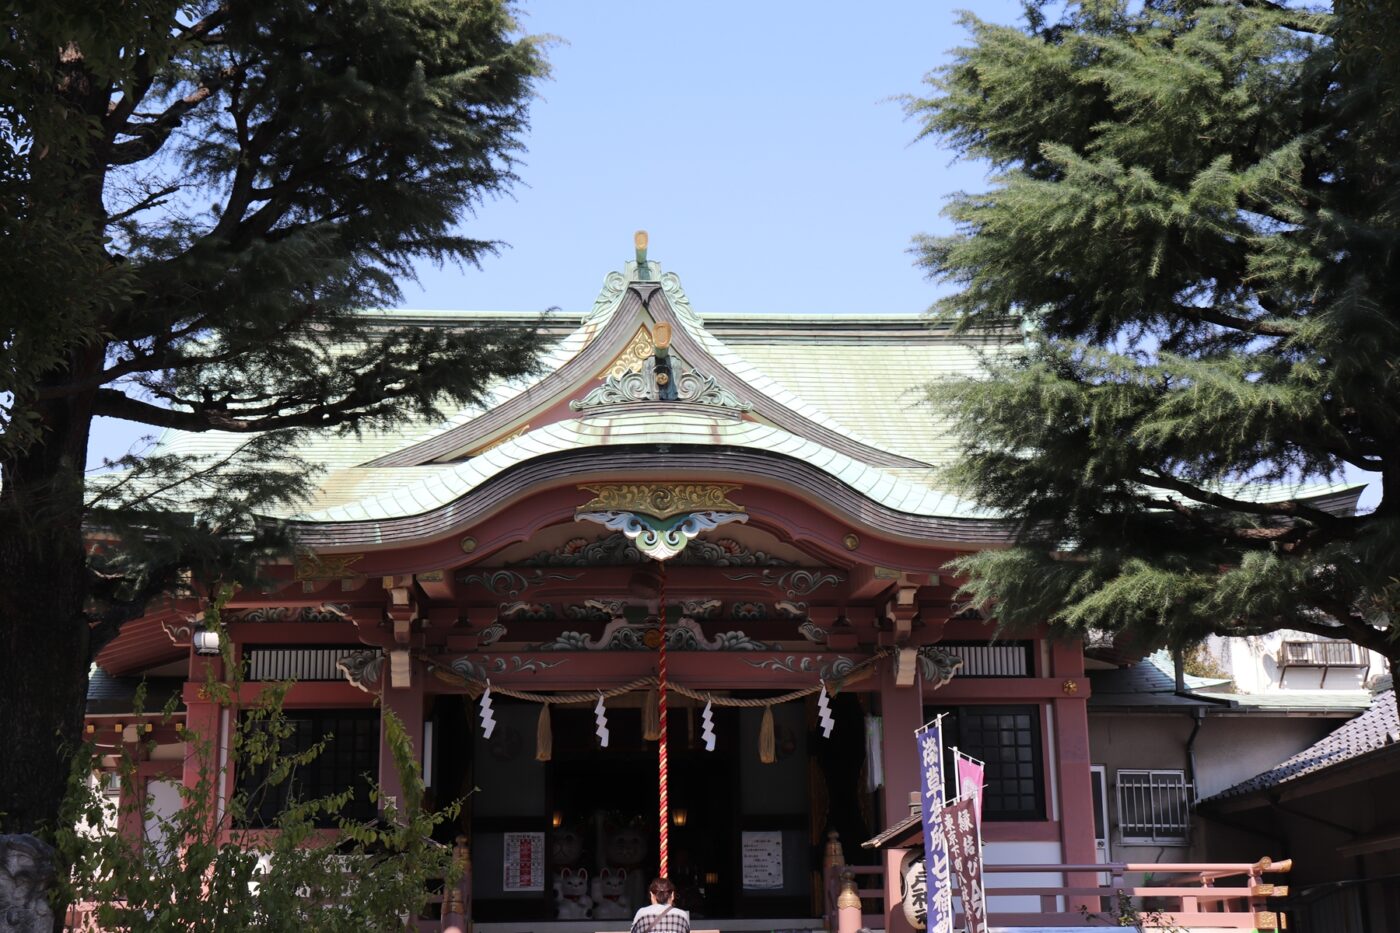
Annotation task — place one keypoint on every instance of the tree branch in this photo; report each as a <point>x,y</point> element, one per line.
<point>1288,508</point>
<point>147,138</point>
<point>1232,321</point>
<point>353,405</point>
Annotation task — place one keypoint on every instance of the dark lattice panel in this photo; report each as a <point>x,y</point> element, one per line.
<point>1007,738</point>
<point>351,754</point>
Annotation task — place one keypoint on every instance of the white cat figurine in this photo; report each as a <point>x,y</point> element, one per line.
<point>571,895</point>
<point>610,896</point>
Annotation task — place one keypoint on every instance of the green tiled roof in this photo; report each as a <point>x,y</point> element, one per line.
<point>853,377</point>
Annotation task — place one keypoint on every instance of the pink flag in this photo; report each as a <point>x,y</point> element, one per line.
<point>970,777</point>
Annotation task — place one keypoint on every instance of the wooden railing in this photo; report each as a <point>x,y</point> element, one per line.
<point>1196,895</point>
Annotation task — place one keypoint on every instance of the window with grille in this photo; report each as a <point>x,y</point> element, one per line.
<point>1007,738</point>
<point>298,662</point>
<point>986,659</point>
<point>1154,807</point>
<point>349,760</point>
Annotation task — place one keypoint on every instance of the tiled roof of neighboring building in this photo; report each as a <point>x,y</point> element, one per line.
<point>1373,730</point>
<point>1147,684</point>
<point>1299,701</point>
<point>107,694</point>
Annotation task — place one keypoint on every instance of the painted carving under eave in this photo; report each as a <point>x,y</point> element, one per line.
<point>937,666</point>
<point>615,549</point>
<point>363,669</point>
<point>660,519</point>
<point>661,538</point>
<point>683,635</point>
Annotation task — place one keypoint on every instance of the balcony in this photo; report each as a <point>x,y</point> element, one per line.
<point>1321,654</point>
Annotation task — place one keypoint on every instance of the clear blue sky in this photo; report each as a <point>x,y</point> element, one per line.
<point>759,143</point>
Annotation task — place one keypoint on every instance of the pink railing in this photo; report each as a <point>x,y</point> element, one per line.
<point>1189,897</point>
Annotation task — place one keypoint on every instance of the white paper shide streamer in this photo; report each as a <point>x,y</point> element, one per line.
<point>707,726</point>
<point>600,715</point>
<point>488,719</point>
<point>824,713</point>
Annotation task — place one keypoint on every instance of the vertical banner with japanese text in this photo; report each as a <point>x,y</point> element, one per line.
<point>958,822</point>
<point>940,882</point>
<point>971,778</point>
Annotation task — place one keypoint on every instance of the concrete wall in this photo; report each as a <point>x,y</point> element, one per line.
<point>1229,749</point>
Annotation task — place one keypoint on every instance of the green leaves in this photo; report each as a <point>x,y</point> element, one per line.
<point>1187,212</point>
<point>215,873</point>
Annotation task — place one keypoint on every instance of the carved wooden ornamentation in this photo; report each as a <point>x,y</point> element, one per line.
<point>661,500</point>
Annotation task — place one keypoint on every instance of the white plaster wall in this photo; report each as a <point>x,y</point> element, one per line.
<point>1253,663</point>
<point>162,803</point>
<point>1020,853</point>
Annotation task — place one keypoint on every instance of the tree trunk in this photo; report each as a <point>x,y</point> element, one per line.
<point>44,637</point>
<point>43,674</point>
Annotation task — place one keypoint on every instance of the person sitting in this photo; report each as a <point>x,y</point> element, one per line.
<point>662,915</point>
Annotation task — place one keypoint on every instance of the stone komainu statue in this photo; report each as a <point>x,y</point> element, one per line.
<point>26,869</point>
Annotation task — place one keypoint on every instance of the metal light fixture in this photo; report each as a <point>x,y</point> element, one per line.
<point>557,819</point>
<point>679,817</point>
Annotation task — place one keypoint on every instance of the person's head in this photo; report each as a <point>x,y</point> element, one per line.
<point>662,891</point>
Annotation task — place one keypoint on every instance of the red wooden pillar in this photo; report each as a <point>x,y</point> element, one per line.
<point>203,735</point>
<point>132,799</point>
<point>407,703</point>
<point>1072,760</point>
<point>902,711</point>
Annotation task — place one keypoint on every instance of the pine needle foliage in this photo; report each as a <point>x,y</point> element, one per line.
<point>198,201</point>
<point>1194,215</point>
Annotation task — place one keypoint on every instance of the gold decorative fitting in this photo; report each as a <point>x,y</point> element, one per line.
<point>518,432</point>
<point>468,544</point>
<point>661,500</point>
<point>851,542</point>
<point>662,379</point>
<point>313,566</point>
<point>1070,687</point>
<point>633,357</point>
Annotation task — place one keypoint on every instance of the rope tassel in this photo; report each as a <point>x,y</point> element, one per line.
<point>767,742</point>
<point>544,736</point>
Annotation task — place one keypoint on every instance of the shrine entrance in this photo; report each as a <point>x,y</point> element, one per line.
<point>572,840</point>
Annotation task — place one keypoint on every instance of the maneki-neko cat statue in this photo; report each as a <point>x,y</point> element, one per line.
<point>610,900</point>
<point>571,898</point>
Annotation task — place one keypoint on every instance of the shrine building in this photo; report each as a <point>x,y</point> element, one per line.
<point>760,486</point>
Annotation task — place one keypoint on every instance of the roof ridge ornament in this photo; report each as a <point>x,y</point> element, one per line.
<point>693,386</point>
